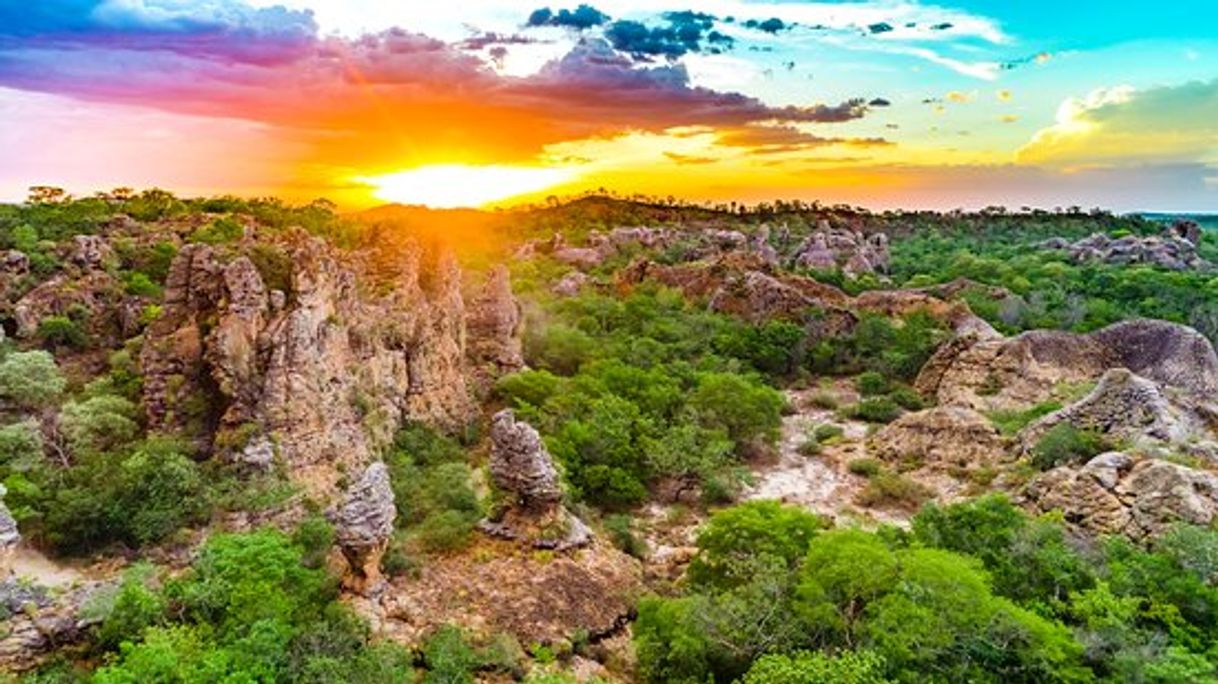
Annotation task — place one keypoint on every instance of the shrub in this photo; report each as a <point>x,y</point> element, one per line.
<point>907,398</point>
<point>876,410</point>
<point>98,424</point>
<point>871,383</point>
<point>160,491</point>
<point>810,446</point>
<point>315,537</point>
<point>140,285</point>
<point>734,538</point>
<point>828,431</point>
<point>58,332</point>
<point>449,657</point>
<point>219,231</point>
<point>620,528</point>
<point>30,379</point>
<point>850,667</point>
<point>1010,422</point>
<point>21,445</point>
<point>528,387</point>
<point>865,467</point>
<point>445,531</point>
<point>824,400</point>
<point>1064,444</point>
<point>886,489</point>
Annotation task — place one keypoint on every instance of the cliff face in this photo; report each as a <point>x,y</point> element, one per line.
<point>359,343</point>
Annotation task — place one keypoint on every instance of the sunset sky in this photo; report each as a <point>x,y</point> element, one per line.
<point>884,104</point>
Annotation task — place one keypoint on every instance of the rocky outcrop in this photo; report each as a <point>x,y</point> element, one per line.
<point>34,622</point>
<point>1115,493</point>
<point>328,369</point>
<point>1175,249</point>
<point>1126,408</point>
<point>945,438</point>
<point>363,523</point>
<point>493,327</point>
<point>524,471</point>
<point>1018,372</point>
<point>853,252</point>
<point>10,537</point>
<point>571,284</point>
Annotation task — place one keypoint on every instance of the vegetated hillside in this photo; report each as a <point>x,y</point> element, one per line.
<point>606,440</point>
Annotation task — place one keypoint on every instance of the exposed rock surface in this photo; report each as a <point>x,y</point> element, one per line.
<point>1125,407</point>
<point>525,472</point>
<point>493,325</point>
<point>571,284</point>
<point>1175,249</point>
<point>35,623</point>
<point>1118,494</point>
<point>943,438</point>
<point>10,537</point>
<point>492,588</point>
<point>1017,372</point>
<point>360,343</point>
<point>363,523</point>
<point>854,252</point>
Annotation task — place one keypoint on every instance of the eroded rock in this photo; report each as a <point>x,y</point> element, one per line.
<point>363,523</point>
<point>523,469</point>
<point>944,438</point>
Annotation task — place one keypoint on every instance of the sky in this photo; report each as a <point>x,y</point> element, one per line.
<point>878,103</point>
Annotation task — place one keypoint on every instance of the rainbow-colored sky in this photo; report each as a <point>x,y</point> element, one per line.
<point>883,103</point>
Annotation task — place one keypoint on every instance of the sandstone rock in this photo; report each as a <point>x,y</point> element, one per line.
<point>1117,494</point>
<point>90,251</point>
<point>571,284</point>
<point>494,327</point>
<point>363,342</point>
<point>1124,406</point>
<point>1018,372</point>
<point>39,623</point>
<point>1175,249</point>
<point>524,470</point>
<point>579,257</point>
<point>363,523</point>
<point>944,438</point>
<point>854,252</point>
<point>14,262</point>
<point>10,536</point>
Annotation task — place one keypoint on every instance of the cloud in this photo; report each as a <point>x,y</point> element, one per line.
<point>770,139</point>
<point>1121,127</point>
<point>581,18</point>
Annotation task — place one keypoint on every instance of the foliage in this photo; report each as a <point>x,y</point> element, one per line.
<point>871,383</point>
<point>61,332</point>
<point>1065,444</point>
<point>804,667</point>
<point>876,410</point>
<point>30,379</point>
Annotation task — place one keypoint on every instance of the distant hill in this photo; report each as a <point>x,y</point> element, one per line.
<point>1207,221</point>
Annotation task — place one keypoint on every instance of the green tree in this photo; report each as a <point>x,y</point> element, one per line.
<point>30,379</point>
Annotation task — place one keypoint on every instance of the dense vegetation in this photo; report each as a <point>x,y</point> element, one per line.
<point>974,592</point>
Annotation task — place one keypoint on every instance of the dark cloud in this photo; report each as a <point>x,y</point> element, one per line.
<point>767,139</point>
<point>684,32</point>
<point>941,27</point>
<point>879,102</point>
<point>490,38</point>
<point>881,27</point>
<point>771,25</point>
<point>581,18</point>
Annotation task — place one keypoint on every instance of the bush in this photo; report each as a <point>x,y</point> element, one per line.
<point>140,285</point>
<point>885,489</point>
<point>1064,444</point>
<point>30,379</point>
<point>445,531</point>
<point>98,424</point>
<point>850,667</point>
<point>315,537</point>
<point>56,332</point>
<point>828,431</point>
<point>810,447</point>
<point>449,657</point>
<point>876,410</point>
<point>621,533</point>
<point>870,384</point>
<point>907,398</point>
<point>220,231</point>
<point>21,445</point>
<point>865,467</point>
<point>159,492</point>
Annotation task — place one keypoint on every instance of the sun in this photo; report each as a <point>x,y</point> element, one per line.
<point>448,186</point>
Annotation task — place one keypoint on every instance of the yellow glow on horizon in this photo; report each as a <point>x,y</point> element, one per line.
<point>449,186</point>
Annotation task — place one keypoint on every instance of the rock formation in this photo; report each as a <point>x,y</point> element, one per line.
<point>493,344</point>
<point>1175,249</point>
<point>1018,372</point>
<point>36,622</point>
<point>359,343</point>
<point>853,252</point>
<point>10,537</point>
<point>944,438</point>
<point>363,523</point>
<point>524,471</point>
<point>1126,407</point>
<point>1115,493</point>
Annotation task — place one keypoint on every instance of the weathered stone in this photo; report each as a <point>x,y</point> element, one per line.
<point>1175,249</point>
<point>523,469</point>
<point>363,523</point>
<point>90,251</point>
<point>494,327</point>
<point>10,536</point>
<point>944,438</point>
<point>571,284</point>
<point>38,622</point>
<point>1116,494</point>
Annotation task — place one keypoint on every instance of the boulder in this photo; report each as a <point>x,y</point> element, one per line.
<point>524,471</point>
<point>1115,493</point>
<point>10,536</point>
<point>944,438</point>
<point>571,284</point>
<point>1125,407</point>
<point>363,523</point>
